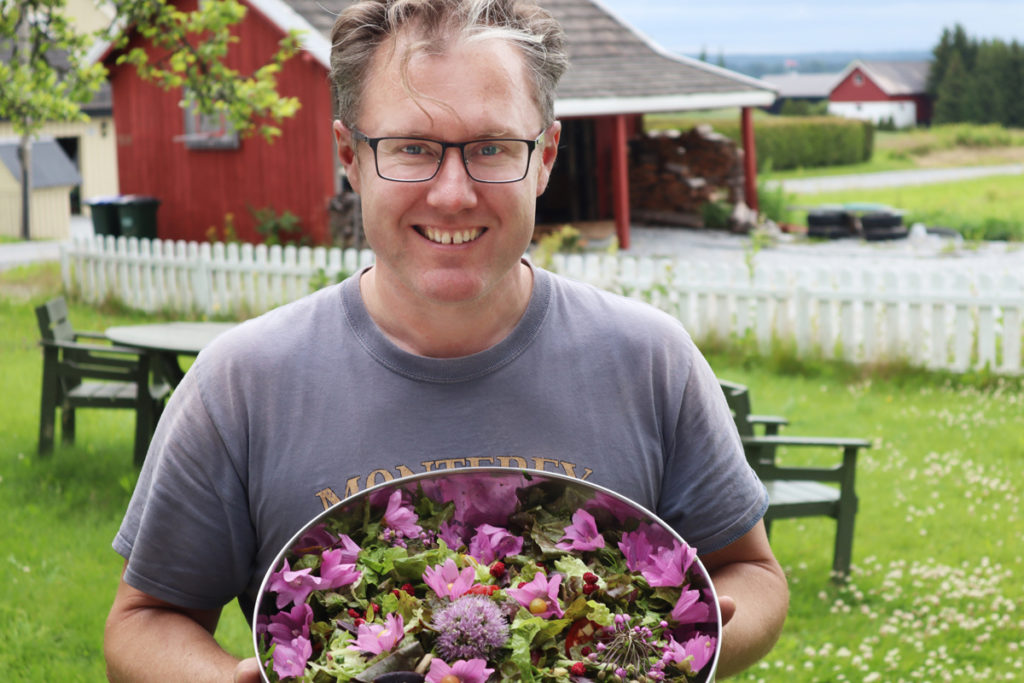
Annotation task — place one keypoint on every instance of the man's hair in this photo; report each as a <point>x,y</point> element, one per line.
<point>436,24</point>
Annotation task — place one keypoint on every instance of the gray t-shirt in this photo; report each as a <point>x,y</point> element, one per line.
<point>310,403</point>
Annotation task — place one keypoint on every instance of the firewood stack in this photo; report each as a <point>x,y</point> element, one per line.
<point>672,175</point>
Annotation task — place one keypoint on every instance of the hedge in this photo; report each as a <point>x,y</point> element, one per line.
<point>806,141</point>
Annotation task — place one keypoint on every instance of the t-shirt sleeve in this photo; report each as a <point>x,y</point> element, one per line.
<point>187,534</point>
<point>709,494</point>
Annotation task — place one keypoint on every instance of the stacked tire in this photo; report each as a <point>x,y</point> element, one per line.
<point>882,226</point>
<point>829,224</point>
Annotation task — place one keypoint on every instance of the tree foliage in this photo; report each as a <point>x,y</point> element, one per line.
<point>976,81</point>
<point>48,77</point>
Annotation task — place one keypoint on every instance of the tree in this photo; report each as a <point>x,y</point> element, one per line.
<point>48,76</point>
<point>953,103</point>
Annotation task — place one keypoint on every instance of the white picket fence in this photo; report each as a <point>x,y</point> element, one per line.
<point>931,316</point>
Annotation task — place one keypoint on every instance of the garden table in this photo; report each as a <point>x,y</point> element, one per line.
<point>166,342</point>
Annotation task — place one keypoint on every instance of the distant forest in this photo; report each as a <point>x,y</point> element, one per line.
<point>977,81</point>
<point>758,65</point>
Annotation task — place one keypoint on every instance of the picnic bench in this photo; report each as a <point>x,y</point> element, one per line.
<point>797,491</point>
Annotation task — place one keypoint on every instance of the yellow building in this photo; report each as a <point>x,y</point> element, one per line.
<point>53,177</point>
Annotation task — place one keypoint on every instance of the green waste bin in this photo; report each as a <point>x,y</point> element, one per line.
<point>105,218</point>
<point>137,216</point>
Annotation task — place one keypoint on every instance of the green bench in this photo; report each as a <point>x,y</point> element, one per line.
<point>800,491</point>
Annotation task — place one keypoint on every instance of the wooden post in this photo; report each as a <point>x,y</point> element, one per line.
<point>749,158</point>
<point>620,182</point>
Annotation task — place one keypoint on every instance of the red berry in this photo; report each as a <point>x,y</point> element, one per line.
<point>359,621</point>
<point>577,669</point>
<point>353,613</point>
<point>498,570</point>
<point>408,588</point>
<point>521,584</point>
<point>375,606</point>
<point>589,588</point>
<point>590,577</point>
<point>397,593</point>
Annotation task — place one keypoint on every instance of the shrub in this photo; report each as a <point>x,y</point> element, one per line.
<point>807,141</point>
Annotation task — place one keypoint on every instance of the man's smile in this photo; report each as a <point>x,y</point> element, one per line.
<point>444,236</point>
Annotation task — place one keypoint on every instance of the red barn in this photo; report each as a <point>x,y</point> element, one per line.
<point>883,91</point>
<point>201,172</point>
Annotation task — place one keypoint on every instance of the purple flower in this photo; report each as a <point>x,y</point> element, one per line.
<point>349,550</point>
<point>292,586</point>
<point>286,626</point>
<point>401,519</point>
<point>582,534</point>
<point>539,596</point>
<point>447,581</point>
<point>334,573</point>
<point>668,567</point>
<point>691,655</point>
<point>482,500</point>
<point>317,537</point>
<point>452,532</point>
<point>290,658</point>
<point>494,543</point>
<point>472,626</point>
<point>689,609</point>
<point>472,671</point>
<point>637,549</point>
<point>374,638</point>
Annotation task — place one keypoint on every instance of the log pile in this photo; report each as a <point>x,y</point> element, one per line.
<point>672,175</point>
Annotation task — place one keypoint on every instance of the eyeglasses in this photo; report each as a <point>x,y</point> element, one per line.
<point>416,160</point>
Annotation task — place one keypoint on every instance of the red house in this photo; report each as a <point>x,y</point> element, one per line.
<point>200,172</point>
<point>883,91</point>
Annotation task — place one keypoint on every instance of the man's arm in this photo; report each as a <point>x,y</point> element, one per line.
<point>147,639</point>
<point>753,596</point>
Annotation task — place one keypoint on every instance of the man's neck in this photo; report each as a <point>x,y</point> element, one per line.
<point>447,330</point>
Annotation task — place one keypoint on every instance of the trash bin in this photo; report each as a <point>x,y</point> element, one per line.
<point>137,216</point>
<point>104,211</point>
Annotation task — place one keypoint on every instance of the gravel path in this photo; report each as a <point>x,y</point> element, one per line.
<point>897,178</point>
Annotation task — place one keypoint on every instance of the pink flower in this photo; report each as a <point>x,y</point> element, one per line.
<point>691,655</point>
<point>333,573</point>
<point>292,586</point>
<point>286,626</point>
<point>637,549</point>
<point>689,609</point>
<point>447,581</point>
<point>451,532</point>
<point>290,658</point>
<point>494,543</point>
<point>401,519</point>
<point>471,671</point>
<point>349,550</point>
<point>482,500</point>
<point>669,567</point>
<point>374,638</point>
<point>532,594</point>
<point>582,534</point>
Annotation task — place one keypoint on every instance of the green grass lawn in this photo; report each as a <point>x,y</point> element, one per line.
<point>938,567</point>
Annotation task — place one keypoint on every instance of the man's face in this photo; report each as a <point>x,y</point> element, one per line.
<point>450,239</point>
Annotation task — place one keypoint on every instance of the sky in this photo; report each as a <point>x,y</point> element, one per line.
<point>791,27</point>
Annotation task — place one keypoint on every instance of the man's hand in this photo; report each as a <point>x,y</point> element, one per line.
<point>248,671</point>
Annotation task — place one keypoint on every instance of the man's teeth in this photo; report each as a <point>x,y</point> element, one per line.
<point>446,237</point>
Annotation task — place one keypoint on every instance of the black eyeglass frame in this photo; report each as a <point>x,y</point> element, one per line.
<point>445,146</point>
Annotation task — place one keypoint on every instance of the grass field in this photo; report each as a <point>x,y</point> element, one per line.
<point>938,565</point>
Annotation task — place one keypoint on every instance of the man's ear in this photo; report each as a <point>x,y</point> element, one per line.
<point>547,153</point>
<point>347,154</point>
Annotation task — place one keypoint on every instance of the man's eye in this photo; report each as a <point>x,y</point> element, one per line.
<point>413,149</point>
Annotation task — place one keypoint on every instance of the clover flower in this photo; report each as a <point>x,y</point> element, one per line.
<point>539,596</point>
<point>374,638</point>
<point>582,534</point>
<point>494,543</point>
<point>471,627</point>
<point>472,671</point>
<point>447,581</point>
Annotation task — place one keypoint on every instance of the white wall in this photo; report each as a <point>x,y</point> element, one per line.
<point>902,113</point>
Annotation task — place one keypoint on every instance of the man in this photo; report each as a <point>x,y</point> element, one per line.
<point>450,351</point>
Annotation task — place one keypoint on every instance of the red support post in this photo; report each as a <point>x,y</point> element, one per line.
<point>620,182</point>
<point>749,158</point>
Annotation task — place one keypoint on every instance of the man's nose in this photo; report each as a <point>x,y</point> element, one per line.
<point>452,188</point>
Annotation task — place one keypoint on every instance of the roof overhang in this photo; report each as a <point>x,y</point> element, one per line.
<point>606,106</point>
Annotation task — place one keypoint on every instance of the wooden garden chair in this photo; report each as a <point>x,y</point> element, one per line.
<point>800,491</point>
<point>92,375</point>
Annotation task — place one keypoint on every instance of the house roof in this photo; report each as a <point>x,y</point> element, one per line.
<point>50,165</point>
<point>614,69</point>
<point>893,78</point>
<point>793,84</point>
